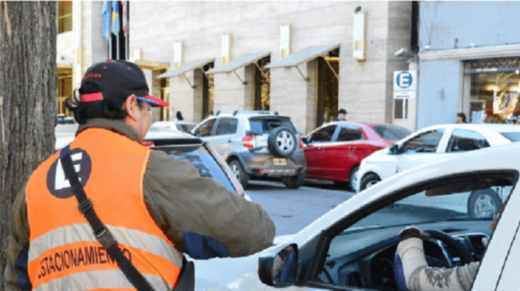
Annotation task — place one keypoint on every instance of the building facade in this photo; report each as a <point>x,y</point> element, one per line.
<point>302,59</point>
<point>469,61</point>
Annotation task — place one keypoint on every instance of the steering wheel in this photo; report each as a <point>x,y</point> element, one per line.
<point>463,253</point>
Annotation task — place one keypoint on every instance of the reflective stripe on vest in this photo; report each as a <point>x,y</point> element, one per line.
<point>100,280</point>
<point>62,247</point>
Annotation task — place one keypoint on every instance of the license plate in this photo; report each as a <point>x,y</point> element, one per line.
<point>280,162</point>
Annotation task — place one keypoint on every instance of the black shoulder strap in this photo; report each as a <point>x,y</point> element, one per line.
<point>103,234</point>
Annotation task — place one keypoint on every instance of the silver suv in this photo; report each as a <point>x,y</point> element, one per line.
<point>256,144</point>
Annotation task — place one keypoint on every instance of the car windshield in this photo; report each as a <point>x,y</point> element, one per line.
<point>205,162</point>
<point>512,136</point>
<point>464,201</point>
<point>266,125</point>
<point>391,132</point>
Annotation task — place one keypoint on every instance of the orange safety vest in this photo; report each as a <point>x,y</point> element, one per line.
<point>63,252</point>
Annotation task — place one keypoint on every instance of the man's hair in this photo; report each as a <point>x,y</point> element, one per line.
<point>462,115</point>
<point>83,111</point>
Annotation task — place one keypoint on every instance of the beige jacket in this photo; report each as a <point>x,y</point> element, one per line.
<point>181,202</point>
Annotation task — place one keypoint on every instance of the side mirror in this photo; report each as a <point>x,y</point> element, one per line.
<point>394,149</point>
<point>281,270</point>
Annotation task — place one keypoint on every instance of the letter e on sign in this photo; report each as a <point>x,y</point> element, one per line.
<point>405,84</point>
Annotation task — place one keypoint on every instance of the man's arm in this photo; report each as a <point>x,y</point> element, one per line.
<point>418,276</point>
<point>16,277</point>
<point>199,215</point>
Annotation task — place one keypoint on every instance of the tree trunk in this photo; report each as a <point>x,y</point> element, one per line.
<point>28,86</point>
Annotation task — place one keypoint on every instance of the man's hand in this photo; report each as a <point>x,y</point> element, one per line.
<point>412,231</point>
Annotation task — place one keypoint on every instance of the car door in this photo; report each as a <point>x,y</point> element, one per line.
<point>224,137</point>
<point>314,151</point>
<point>343,152</point>
<point>423,148</point>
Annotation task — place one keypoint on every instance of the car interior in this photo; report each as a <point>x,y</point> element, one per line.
<point>362,254</point>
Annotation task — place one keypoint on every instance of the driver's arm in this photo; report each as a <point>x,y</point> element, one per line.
<point>418,276</point>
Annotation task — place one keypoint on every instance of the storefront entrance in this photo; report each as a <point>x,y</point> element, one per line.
<point>494,90</point>
<point>328,85</point>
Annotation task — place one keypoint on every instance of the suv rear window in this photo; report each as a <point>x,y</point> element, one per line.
<point>266,125</point>
<point>512,136</point>
<point>202,159</point>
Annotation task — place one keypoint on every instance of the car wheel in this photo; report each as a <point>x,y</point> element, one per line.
<point>484,203</point>
<point>369,181</point>
<point>282,142</point>
<point>294,182</point>
<point>353,178</point>
<point>237,169</point>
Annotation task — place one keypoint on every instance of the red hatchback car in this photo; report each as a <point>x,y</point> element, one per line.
<point>335,150</point>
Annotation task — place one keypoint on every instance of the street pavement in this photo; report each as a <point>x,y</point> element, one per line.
<point>293,209</point>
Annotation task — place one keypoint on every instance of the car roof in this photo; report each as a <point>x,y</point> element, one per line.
<point>497,158</point>
<point>155,133</point>
<point>483,126</point>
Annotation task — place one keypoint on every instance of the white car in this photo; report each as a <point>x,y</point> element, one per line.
<point>184,126</point>
<point>352,247</point>
<point>434,143</point>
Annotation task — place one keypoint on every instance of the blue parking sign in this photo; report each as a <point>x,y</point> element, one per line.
<point>405,84</point>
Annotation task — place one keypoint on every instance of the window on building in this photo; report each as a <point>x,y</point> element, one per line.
<point>64,90</point>
<point>494,90</point>
<point>262,81</point>
<point>207,92</point>
<point>165,95</point>
<point>400,108</point>
<point>64,16</point>
<point>328,85</point>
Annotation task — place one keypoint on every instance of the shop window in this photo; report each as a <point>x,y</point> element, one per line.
<point>63,92</point>
<point>261,91</point>
<point>165,96</point>
<point>64,16</point>
<point>207,92</point>
<point>494,90</point>
<point>328,85</point>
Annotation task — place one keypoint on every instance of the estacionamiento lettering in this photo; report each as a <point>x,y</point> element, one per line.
<point>75,257</point>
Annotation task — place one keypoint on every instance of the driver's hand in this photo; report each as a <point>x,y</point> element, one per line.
<point>412,231</point>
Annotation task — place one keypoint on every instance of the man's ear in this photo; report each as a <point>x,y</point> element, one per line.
<point>132,110</point>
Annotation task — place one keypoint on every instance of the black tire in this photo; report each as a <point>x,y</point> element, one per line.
<point>351,177</point>
<point>282,142</point>
<point>368,181</point>
<point>484,203</point>
<point>294,182</point>
<point>237,169</point>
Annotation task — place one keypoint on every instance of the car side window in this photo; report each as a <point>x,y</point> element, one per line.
<point>426,142</point>
<point>205,128</point>
<point>466,140</point>
<point>227,126</point>
<point>350,133</point>
<point>323,135</point>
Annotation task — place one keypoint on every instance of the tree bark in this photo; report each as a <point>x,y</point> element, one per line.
<point>28,83</point>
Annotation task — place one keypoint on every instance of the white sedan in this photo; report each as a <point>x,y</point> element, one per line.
<point>434,143</point>
<point>353,245</point>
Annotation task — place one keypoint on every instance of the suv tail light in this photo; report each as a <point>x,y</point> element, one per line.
<point>248,141</point>
<point>148,143</point>
<point>300,141</point>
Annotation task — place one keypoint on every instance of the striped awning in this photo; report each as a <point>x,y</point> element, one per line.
<point>239,63</point>
<point>304,56</point>
<point>186,68</point>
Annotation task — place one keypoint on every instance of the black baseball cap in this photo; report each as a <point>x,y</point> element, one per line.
<point>342,111</point>
<point>118,80</point>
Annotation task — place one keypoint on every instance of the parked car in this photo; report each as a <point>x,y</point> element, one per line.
<point>180,146</point>
<point>352,247</point>
<point>255,144</point>
<point>184,126</point>
<point>434,143</point>
<point>335,150</point>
